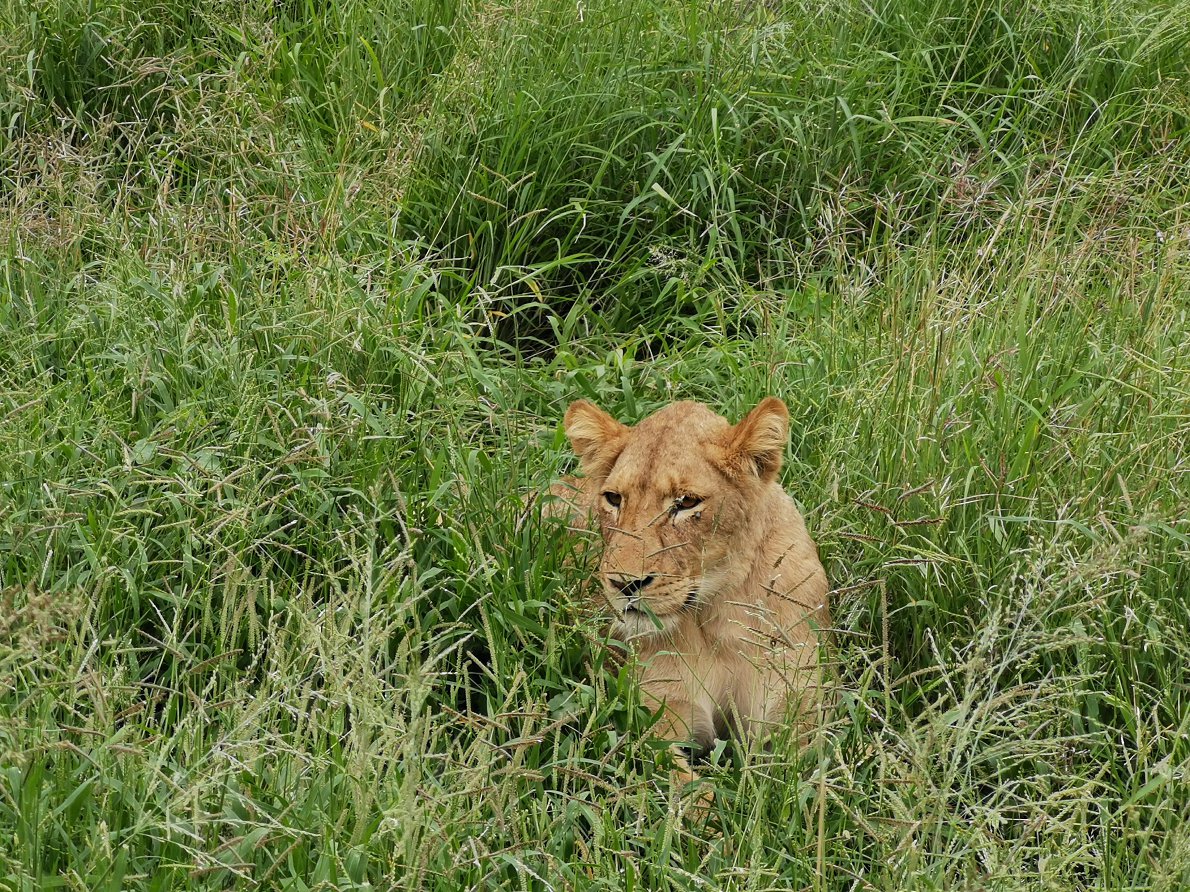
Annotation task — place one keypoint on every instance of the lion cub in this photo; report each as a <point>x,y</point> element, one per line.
<point>707,566</point>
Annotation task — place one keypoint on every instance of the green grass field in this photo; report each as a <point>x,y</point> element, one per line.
<point>293,294</point>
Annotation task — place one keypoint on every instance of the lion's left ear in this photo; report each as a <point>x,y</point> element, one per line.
<point>758,442</point>
<point>596,437</point>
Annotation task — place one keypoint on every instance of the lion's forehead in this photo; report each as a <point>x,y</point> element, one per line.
<point>672,452</point>
<point>666,469</point>
<point>683,417</point>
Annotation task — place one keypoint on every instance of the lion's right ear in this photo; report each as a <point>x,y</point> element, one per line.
<point>596,437</point>
<point>758,442</point>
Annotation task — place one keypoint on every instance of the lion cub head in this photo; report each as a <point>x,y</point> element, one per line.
<point>676,499</point>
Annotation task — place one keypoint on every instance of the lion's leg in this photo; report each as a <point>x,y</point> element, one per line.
<point>686,724</point>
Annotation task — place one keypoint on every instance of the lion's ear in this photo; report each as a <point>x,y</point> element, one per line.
<point>596,437</point>
<point>758,442</point>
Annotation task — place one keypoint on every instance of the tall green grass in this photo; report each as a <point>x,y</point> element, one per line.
<point>292,298</point>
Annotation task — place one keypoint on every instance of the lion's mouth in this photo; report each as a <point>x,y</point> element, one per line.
<point>637,608</point>
<point>638,620</point>
<point>644,624</point>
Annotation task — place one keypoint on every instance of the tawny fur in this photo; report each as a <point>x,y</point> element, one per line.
<point>726,632</point>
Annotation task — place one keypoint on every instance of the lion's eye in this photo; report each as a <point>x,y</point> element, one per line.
<point>613,499</point>
<point>685,503</point>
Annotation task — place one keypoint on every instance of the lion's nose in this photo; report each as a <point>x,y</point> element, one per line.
<point>628,585</point>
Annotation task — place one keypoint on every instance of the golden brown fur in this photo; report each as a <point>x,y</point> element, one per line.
<point>706,565</point>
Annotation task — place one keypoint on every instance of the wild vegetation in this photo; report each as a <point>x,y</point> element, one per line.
<point>293,294</point>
